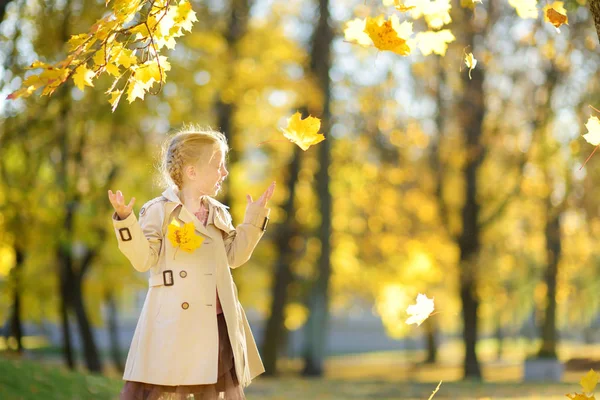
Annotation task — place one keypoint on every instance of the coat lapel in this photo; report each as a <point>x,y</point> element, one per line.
<point>185,215</point>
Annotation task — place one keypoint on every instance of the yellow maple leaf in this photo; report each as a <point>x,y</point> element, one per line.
<point>125,57</point>
<point>525,8</point>
<point>400,6</point>
<point>115,97</point>
<point>83,77</point>
<point>135,90</point>
<point>435,12</point>
<point>183,237</point>
<point>420,311</point>
<point>556,14</point>
<point>589,381</point>
<point>593,127</point>
<point>434,42</point>
<point>389,34</point>
<point>470,62</point>
<point>112,69</point>
<point>355,32</point>
<point>303,132</point>
<point>469,3</point>
<point>580,396</point>
<point>185,16</point>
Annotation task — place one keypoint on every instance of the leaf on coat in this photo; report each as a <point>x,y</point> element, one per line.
<point>421,311</point>
<point>184,237</point>
<point>303,132</point>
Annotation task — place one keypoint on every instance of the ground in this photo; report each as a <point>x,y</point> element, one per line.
<point>385,375</point>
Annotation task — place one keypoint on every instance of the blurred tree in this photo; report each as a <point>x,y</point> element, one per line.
<point>318,300</point>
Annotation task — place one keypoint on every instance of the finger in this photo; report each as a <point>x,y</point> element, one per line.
<point>249,198</point>
<point>130,205</point>
<point>112,197</point>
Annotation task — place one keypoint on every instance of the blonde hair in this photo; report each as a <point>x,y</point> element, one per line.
<point>186,147</point>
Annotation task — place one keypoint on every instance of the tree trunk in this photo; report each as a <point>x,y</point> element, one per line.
<point>225,110</point>
<point>70,279</point>
<point>431,342</point>
<point>67,349</point>
<point>3,5</point>
<point>90,350</point>
<point>595,9</point>
<point>16,327</point>
<point>275,329</point>
<point>113,329</point>
<point>471,113</point>
<point>553,253</point>
<point>316,326</point>
<point>499,338</point>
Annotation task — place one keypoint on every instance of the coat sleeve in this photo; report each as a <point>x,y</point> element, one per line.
<point>141,242</point>
<point>241,241</point>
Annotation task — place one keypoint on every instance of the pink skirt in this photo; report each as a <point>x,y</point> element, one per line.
<point>227,386</point>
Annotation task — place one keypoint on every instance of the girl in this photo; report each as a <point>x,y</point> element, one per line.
<point>192,336</point>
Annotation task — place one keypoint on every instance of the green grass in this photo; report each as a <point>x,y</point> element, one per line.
<point>29,380</point>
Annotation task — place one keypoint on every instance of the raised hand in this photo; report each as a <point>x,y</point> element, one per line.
<point>266,196</point>
<point>118,202</point>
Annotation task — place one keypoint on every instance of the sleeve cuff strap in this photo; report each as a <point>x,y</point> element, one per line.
<point>258,218</point>
<point>123,223</point>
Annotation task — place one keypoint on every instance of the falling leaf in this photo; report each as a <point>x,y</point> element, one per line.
<point>593,127</point>
<point>434,42</point>
<point>556,14</point>
<point>589,381</point>
<point>471,62</point>
<point>402,7</point>
<point>183,237</point>
<point>355,32</point>
<point>303,132</point>
<point>525,8</point>
<point>435,12</point>
<point>83,77</point>
<point>389,34</point>
<point>420,312</point>
<point>469,3</point>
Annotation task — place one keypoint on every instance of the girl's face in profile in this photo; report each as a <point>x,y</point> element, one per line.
<point>211,174</point>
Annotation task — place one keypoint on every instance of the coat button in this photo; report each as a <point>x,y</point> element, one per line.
<point>183,274</point>
<point>185,305</point>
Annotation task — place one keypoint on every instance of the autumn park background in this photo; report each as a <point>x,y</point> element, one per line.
<point>463,181</point>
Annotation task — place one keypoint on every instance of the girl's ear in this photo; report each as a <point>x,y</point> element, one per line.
<point>190,171</point>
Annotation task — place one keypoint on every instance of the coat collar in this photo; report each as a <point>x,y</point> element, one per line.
<point>172,195</point>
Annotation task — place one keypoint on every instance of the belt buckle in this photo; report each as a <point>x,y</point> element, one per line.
<point>168,277</point>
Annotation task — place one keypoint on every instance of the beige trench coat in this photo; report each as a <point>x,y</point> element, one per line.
<point>176,338</point>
